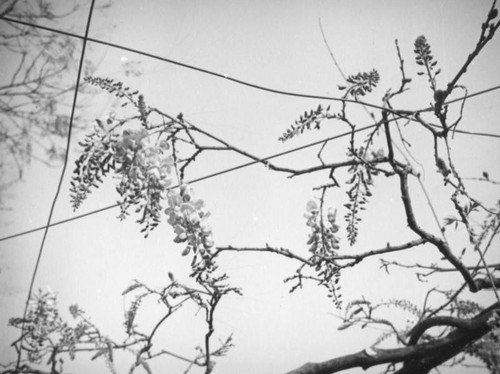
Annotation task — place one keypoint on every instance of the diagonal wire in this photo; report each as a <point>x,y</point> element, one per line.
<point>228,78</point>
<point>66,156</point>
<point>201,70</point>
<point>199,179</point>
<point>239,81</point>
<point>195,180</point>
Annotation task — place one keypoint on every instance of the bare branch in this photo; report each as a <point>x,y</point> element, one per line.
<point>280,251</point>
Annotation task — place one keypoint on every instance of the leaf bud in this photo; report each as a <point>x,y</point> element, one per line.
<point>439,97</point>
<point>493,14</point>
<point>441,165</point>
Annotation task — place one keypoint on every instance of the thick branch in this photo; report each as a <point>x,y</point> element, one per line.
<point>442,245</point>
<point>421,357</point>
<point>439,243</point>
<point>458,339</point>
<point>420,328</point>
<point>486,283</point>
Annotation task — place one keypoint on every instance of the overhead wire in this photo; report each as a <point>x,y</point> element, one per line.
<point>236,80</point>
<point>178,63</point>
<point>59,185</point>
<point>208,176</point>
<point>87,39</point>
<point>199,179</point>
<point>205,71</point>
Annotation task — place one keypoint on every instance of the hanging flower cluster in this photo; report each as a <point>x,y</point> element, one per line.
<point>145,171</point>
<point>95,162</point>
<point>323,244</point>
<point>143,164</point>
<point>189,218</point>
<point>322,239</point>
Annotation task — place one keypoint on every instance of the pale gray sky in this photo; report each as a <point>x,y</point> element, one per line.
<point>277,44</point>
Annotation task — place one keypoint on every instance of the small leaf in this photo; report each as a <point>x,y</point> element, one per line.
<point>357,311</point>
<point>99,354</point>
<point>131,288</point>
<point>345,326</point>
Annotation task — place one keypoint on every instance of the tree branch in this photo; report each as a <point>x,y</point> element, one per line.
<point>375,252</point>
<point>441,245</point>
<point>280,251</point>
<point>420,358</point>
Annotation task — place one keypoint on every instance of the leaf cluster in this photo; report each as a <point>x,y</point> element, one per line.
<point>118,89</point>
<point>173,297</point>
<point>358,192</point>
<point>45,332</point>
<point>35,92</point>
<point>361,83</point>
<point>307,121</point>
<point>94,163</point>
<point>425,58</point>
<point>469,208</point>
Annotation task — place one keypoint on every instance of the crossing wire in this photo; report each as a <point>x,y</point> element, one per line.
<point>220,173</point>
<point>59,185</point>
<point>235,80</point>
<point>238,81</point>
<point>85,39</point>
<point>199,179</point>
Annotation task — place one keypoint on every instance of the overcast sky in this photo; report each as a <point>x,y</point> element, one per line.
<point>276,44</point>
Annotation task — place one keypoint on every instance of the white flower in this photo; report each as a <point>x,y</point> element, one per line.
<point>312,206</point>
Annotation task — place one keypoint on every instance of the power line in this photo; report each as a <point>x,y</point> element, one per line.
<point>241,166</point>
<point>221,173</point>
<point>85,40</point>
<point>464,132</point>
<point>233,80</point>
<point>201,70</point>
<point>59,185</point>
<point>239,81</point>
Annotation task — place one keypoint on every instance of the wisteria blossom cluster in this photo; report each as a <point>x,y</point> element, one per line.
<point>143,167</point>
<point>323,244</point>
<point>322,239</point>
<point>143,163</point>
<point>145,171</point>
<point>189,218</point>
